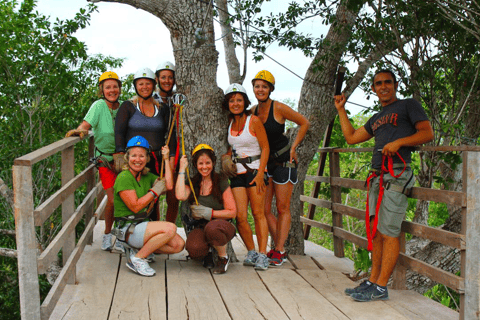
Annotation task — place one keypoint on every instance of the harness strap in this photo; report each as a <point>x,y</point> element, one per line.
<point>374,174</point>
<point>282,151</point>
<point>157,166</point>
<point>246,160</point>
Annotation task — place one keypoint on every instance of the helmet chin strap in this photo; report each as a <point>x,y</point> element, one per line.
<point>169,92</point>
<point>263,101</point>
<point>112,102</point>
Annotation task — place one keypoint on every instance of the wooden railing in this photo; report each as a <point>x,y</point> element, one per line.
<point>467,241</point>
<point>30,263</point>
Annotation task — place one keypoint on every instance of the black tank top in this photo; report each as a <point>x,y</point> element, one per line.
<point>276,139</point>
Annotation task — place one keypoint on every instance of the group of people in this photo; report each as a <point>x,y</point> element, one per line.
<point>136,143</point>
<point>261,162</point>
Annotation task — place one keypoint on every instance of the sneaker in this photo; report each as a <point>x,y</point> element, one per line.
<point>107,242</point>
<point>150,258</point>
<point>270,253</point>
<point>222,265</point>
<point>140,266</point>
<point>118,247</point>
<point>372,293</point>
<point>251,258</point>
<point>277,259</point>
<point>262,262</point>
<point>363,286</point>
<point>208,261</point>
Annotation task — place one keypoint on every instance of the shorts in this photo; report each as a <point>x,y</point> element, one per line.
<point>215,233</point>
<point>136,238</point>
<point>394,204</point>
<point>282,175</point>
<point>107,176</point>
<point>243,180</point>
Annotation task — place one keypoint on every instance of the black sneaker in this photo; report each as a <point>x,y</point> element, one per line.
<point>208,261</point>
<point>222,265</point>
<point>372,293</point>
<point>363,286</point>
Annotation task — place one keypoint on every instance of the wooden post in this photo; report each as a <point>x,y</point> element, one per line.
<point>400,272</point>
<point>320,170</point>
<point>26,243</point>
<point>338,246</point>
<point>470,263</point>
<point>68,206</point>
<point>90,184</point>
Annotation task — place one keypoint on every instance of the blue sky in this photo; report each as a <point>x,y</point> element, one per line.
<point>120,30</point>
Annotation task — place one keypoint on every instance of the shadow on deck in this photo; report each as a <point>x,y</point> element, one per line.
<point>306,287</point>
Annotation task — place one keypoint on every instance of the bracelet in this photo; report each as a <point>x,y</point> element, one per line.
<point>153,194</point>
<point>181,173</point>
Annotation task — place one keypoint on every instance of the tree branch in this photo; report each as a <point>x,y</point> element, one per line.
<point>10,253</point>
<point>5,192</point>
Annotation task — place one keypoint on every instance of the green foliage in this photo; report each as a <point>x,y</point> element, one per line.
<point>362,260</point>
<point>445,296</point>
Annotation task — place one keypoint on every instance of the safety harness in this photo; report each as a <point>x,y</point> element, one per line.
<point>101,161</point>
<point>245,161</point>
<point>280,152</point>
<point>383,186</point>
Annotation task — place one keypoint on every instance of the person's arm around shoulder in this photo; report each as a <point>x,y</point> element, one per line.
<point>423,135</point>
<point>181,190</point>
<point>352,135</point>
<point>230,209</point>
<point>289,114</point>
<point>259,130</point>
<point>124,113</point>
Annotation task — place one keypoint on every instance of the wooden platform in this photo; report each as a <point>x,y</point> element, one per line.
<point>306,287</point>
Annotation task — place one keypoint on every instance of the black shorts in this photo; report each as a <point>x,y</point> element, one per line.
<point>243,180</point>
<point>281,174</point>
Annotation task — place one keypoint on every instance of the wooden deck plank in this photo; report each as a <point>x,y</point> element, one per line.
<point>415,306</point>
<point>296,297</point>
<point>192,293</point>
<point>303,262</point>
<point>331,285</point>
<point>245,295</point>
<point>138,297</point>
<point>91,297</point>
<point>327,259</point>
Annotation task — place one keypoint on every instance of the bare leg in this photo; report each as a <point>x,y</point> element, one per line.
<point>241,200</point>
<point>376,257</point>
<point>109,211</point>
<point>157,235</point>
<point>271,219</point>
<point>390,253</point>
<point>257,202</point>
<point>221,250</point>
<point>283,193</point>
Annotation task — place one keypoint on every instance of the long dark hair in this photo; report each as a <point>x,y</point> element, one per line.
<point>197,178</point>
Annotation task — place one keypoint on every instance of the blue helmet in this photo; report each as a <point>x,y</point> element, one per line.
<point>138,141</point>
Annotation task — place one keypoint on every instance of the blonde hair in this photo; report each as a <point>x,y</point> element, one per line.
<point>126,157</point>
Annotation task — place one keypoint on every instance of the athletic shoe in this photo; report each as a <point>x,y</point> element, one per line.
<point>118,247</point>
<point>372,293</point>
<point>222,265</point>
<point>140,266</point>
<point>251,258</point>
<point>208,261</point>
<point>262,262</point>
<point>363,286</point>
<point>150,258</point>
<point>270,253</point>
<point>277,259</point>
<point>107,242</point>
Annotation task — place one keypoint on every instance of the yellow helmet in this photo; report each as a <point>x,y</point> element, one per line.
<point>202,146</point>
<point>109,75</point>
<point>265,76</point>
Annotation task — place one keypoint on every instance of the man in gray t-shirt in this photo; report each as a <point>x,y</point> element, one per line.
<point>401,125</point>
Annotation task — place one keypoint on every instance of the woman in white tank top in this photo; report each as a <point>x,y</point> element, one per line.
<point>249,150</point>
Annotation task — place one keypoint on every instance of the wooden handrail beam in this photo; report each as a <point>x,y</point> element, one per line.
<point>318,202</point>
<point>317,224</point>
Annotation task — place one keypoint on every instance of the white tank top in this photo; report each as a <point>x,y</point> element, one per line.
<point>244,145</point>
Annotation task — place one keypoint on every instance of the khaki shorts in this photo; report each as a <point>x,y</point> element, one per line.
<point>394,204</point>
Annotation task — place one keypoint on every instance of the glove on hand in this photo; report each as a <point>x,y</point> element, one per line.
<point>228,167</point>
<point>159,187</point>
<point>119,161</point>
<point>76,132</point>
<point>201,212</point>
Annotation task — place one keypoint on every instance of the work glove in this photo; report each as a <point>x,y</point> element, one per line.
<point>119,161</point>
<point>77,132</point>
<point>159,187</point>
<point>201,212</point>
<point>228,167</point>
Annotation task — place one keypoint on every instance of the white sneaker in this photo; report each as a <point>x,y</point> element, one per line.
<point>107,242</point>
<point>150,258</point>
<point>140,266</point>
<point>118,247</point>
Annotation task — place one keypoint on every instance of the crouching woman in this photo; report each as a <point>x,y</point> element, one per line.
<point>135,192</point>
<point>215,209</point>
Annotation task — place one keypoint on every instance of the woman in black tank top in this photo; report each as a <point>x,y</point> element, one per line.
<point>282,172</point>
